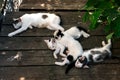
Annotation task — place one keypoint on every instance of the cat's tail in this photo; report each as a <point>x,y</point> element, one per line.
<point>69,67</point>
<point>108,45</point>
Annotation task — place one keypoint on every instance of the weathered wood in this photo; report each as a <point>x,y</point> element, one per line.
<point>6,29</point>
<point>28,43</point>
<point>42,58</point>
<point>104,72</point>
<point>53,4</point>
<point>37,61</point>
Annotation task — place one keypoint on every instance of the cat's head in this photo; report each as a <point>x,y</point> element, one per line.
<point>81,62</point>
<point>51,43</point>
<point>58,34</point>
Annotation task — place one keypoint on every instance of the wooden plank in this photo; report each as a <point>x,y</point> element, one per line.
<point>73,19</point>
<point>31,57</point>
<point>117,43</point>
<point>6,29</point>
<point>42,58</point>
<point>28,43</point>
<point>53,4</point>
<point>107,72</point>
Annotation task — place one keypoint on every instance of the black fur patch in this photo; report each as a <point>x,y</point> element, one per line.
<point>59,34</point>
<point>70,58</point>
<point>81,28</point>
<point>91,58</point>
<point>84,62</point>
<point>44,16</point>
<point>16,21</point>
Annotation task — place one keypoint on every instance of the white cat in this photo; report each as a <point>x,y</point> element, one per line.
<point>94,55</point>
<point>74,47</point>
<point>75,32</point>
<point>40,20</point>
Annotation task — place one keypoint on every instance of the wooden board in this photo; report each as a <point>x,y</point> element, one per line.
<point>6,29</point>
<point>28,43</point>
<point>98,72</point>
<point>53,4</point>
<point>42,58</point>
<point>37,61</point>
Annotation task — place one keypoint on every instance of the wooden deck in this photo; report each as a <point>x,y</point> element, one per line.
<point>37,60</point>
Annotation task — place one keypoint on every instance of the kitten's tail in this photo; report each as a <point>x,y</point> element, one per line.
<point>108,45</point>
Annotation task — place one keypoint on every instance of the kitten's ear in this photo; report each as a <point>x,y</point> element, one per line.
<point>46,41</point>
<point>86,67</point>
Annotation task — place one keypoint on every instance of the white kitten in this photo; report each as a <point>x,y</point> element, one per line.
<point>94,55</point>
<point>75,32</point>
<point>40,20</point>
<point>74,47</point>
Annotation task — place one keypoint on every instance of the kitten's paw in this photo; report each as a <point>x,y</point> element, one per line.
<point>10,34</point>
<point>103,43</point>
<point>87,35</point>
<point>55,57</point>
<point>63,55</point>
<point>59,63</point>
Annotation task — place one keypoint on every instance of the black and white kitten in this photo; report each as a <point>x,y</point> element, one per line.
<point>94,55</point>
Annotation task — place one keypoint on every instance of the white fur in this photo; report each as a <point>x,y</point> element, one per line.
<point>95,56</point>
<point>35,19</point>
<point>76,33</point>
<point>54,45</point>
<point>74,47</point>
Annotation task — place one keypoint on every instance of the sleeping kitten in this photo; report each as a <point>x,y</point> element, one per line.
<point>94,55</point>
<point>75,32</point>
<point>74,47</point>
<point>40,20</point>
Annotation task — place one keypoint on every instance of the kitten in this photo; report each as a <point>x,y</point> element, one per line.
<point>40,20</point>
<point>94,55</point>
<point>75,32</point>
<point>74,47</point>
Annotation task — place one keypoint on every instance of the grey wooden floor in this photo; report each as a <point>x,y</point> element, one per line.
<point>37,62</point>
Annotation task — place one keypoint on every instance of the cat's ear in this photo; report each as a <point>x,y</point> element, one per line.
<point>46,41</point>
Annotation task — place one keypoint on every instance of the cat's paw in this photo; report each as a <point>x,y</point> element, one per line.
<point>55,56</point>
<point>59,63</point>
<point>86,35</point>
<point>10,34</point>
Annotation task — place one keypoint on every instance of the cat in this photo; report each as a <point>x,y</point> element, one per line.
<point>75,32</point>
<point>74,47</point>
<point>94,55</point>
<point>40,20</point>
